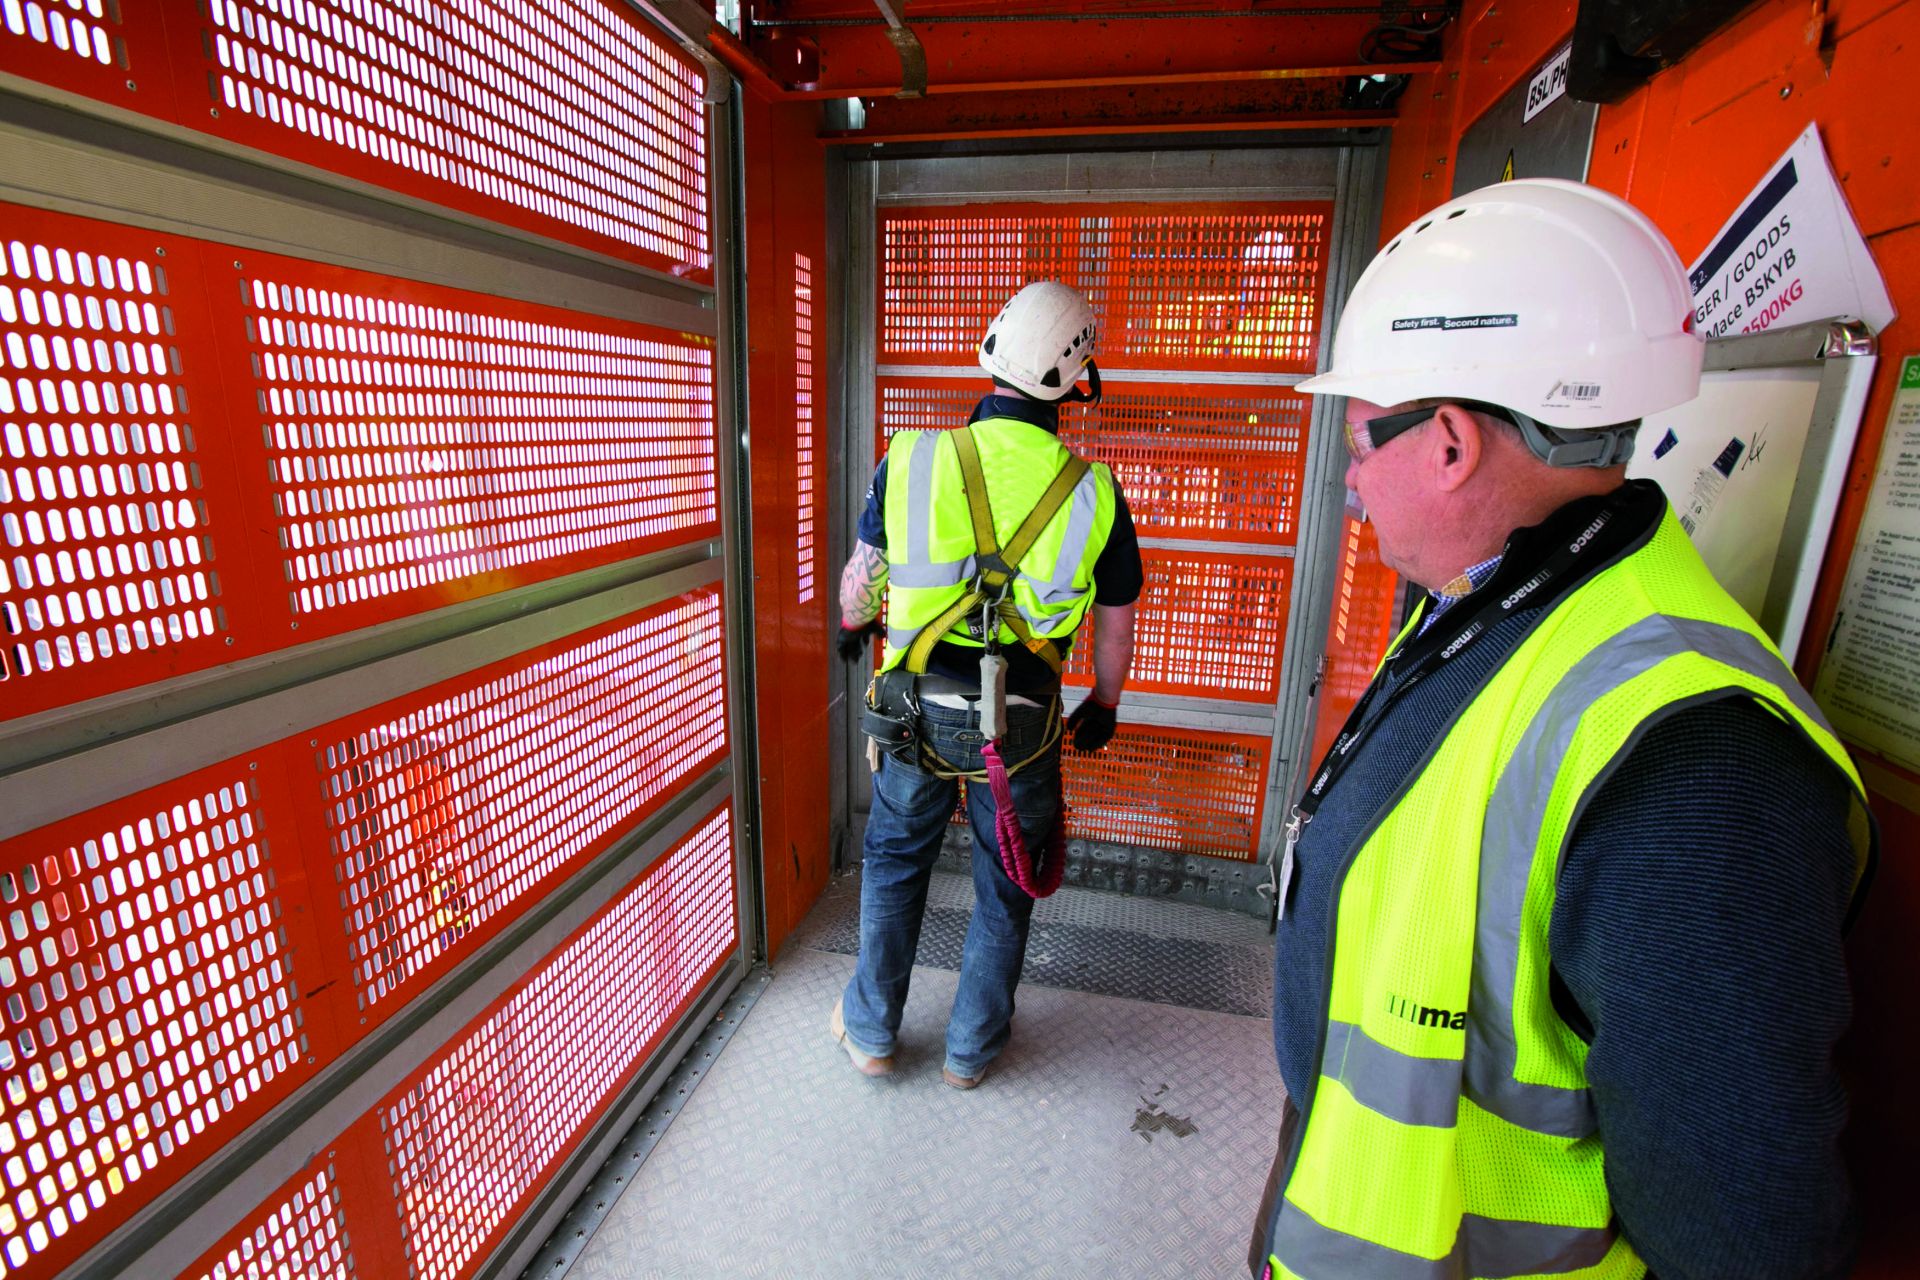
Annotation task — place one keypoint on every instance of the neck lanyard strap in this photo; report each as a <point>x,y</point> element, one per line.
<point>1390,686</point>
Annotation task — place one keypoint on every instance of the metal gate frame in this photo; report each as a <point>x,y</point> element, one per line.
<point>71,153</point>
<point>1350,173</point>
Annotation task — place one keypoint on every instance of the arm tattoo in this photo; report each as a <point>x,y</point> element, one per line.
<point>863,585</point>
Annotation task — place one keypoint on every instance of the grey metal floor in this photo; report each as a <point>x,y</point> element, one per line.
<point>1125,1131</point>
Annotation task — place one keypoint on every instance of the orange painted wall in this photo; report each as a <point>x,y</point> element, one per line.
<point>785,204</point>
<point>1687,148</point>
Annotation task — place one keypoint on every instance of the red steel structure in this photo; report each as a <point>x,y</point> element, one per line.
<point>212,454</point>
<point>219,456</point>
<point>573,120</point>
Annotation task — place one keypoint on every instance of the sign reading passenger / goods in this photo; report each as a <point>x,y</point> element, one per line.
<point>1790,254</point>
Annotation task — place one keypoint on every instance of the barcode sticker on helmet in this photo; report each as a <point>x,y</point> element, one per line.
<point>1580,390</point>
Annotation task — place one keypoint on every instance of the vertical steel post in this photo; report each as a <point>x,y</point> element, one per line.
<point>726,127</point>
<point>1355,232</point>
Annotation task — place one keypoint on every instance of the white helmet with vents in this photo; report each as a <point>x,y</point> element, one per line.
<point>1042,341</point>
<point>1552,299</point>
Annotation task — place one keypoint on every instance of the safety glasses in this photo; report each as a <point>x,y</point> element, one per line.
<point>1363,438</point>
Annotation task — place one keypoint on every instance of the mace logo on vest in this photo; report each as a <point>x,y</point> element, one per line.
<point>1424,1016</point>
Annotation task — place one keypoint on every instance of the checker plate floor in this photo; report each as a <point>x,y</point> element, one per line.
<point>1121,1133</point>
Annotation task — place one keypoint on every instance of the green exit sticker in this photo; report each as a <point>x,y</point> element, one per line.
<point>1910,373</point>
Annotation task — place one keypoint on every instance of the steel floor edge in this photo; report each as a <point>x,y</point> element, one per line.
<point>1141,920</point>
<point>596,1201</point>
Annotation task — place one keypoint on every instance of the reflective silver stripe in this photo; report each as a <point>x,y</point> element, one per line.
<point>920,499</point>
<point>1055,597</point>
<point>1485,1248</point>
<point>1082,504</point>
<point>947,573</point>
<point>1514,816</point>
<point>1399,1086</point>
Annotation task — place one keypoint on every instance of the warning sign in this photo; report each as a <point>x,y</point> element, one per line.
<point>1790,254</point>
<point>1534,130</point>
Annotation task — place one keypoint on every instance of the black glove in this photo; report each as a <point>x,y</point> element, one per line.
<point>1092,724</point>
<point>852,645</point>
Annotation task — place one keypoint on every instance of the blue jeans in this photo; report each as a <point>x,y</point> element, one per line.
<point>911,808</point>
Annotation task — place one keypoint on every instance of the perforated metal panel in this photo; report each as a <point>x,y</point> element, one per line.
<point>77,28</point>
<point>1208,463</point>
<point>1361,629</point>
<point>1209,625</point>
<point>806,430</point>
<point>1166,788</point>
<point>471,1137</point>
<point>108,548</point>
<point>569,118</point>
<point>210,454</point>
<point>151,1005</point>
<point>298,1234</point>
<point>1188,286</point>
<point>450,438</point>
<point>205,457</point>
<point>448,807</point>
<point>91,47</point>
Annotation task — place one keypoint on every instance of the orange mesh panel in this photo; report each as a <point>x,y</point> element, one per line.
<point>452,444</point>
<point>298,1231</point>
<point>1207,626</point>
<point>205,458</point>
<point>567,116</point>
<point>1200,286</point>
<point>476,1132</point>
<point>151,1007</point>
<point>806,475</point>
<point>455,806</point>
<point>1359,634</point>
<point>573,119</point>
<point>65,31</point>
<point>1204,462</point>
<point>1182,789</point>
<point>105,544</point>
<point>115,52</point>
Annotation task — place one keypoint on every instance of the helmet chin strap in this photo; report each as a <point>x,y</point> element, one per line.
<point>1076,396</point>
<point>1605,447</point>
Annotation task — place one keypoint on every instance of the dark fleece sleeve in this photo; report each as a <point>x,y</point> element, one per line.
<point>1696,947</point>
<point>1118,574</point>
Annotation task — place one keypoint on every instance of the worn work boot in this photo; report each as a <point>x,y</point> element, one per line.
<point>868,1066</point>
<point>959,1081</point>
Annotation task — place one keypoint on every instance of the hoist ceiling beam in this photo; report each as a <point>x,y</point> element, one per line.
<point>1141,81</point>
<point>1266,105</point>
<point>913,56</point>
<point>988,56</point>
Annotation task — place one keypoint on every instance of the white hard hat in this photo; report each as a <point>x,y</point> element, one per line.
<point>1042,340</point>
<point>1552,299</point>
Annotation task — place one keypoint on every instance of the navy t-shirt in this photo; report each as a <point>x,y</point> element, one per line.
<point>1118,574</point>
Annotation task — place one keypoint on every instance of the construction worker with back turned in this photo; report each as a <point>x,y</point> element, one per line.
<point>1559,968</point>
<point>989,543</point>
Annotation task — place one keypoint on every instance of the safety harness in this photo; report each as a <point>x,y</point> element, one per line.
<point>893,710</point>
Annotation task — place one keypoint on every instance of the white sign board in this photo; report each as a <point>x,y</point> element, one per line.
<point>1548,85</point>
<point>1728,462</point>
<point>1791,253</point>
<point>1869,681</point>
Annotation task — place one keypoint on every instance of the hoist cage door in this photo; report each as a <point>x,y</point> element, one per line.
<point>1211,273</point>
<point>371,842</point>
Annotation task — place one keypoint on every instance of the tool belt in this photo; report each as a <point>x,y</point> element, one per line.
<point>891,721</point>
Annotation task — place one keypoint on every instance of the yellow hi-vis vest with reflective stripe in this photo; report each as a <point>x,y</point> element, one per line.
<point>1450,1133</point>
<point>930,546</point>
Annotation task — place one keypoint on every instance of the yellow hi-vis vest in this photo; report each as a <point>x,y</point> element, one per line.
<point>1450,1133</point>
<point>930,542</point>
